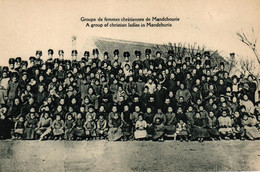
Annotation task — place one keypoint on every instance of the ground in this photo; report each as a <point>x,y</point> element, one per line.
<point>129,156</point>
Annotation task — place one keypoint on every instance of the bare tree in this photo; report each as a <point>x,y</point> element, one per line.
<point>248,65</point>
<point>250,43</point>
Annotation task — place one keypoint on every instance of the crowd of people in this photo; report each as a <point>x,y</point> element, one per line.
<point>117,98</point>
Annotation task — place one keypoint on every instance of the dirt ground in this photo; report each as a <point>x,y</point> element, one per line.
<point>129,156</point>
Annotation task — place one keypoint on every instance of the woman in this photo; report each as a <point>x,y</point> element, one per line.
<point>58,127</point>
<point>44,126</point>
<point>115,126</point>
<point>78,127</point>
<point>199,130</point>
<point>249,123</point>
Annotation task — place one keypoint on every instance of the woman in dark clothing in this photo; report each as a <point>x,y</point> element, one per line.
<point>199,131</point>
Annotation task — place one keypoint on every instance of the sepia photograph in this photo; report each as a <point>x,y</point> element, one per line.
<point>129,86</point>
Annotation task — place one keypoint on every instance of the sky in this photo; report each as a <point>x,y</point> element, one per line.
<point>29,25</point>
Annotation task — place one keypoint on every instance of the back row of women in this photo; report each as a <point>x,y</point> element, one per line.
<point>126,98</point>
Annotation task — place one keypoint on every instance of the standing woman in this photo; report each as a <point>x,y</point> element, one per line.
<point>12,90</point>
<point>115,125</point>
<point>199,130</point>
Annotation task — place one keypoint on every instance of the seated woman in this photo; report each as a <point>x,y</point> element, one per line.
<point>249,123</point>
<point>115,126</point>
<point>78,127</point>
<point>140,126</point>
<point>44,126</point>
<point>90,128</point>
<point>159,130</point>
<point>181,131</point>
<point>30,127</point>
<point>199,130</point>
<point>58,127</point>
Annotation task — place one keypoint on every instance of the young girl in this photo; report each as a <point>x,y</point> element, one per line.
<point>90,128</point>
<point>102,127</point>
<point>78,127</point>
<point>44,126</point>
<point>199,130</point>
<point>91,113</point>
<point>140,126</point>
<point>19,128</point>
<point>115,126</point>
<point>58,127</point>
<point>212,125</point>
<point>69,127</point>
<point>249,123</point>
<point>159,130</point>
<point>181,131</point>
<point>30,127</point>
<point>225,125</point>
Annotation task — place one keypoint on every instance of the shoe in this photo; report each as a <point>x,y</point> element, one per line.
<point>234,138</point>
<point>181,140</point>
<point>242,138</point>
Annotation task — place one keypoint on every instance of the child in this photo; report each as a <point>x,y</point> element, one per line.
<point>170,122</point>
<point>159,129</point>
<point>44,126</point>
<point>140,126</point>
<point>225,125</point>
<point>30,127</point>
<point>90,128</point>
<point>58,126</point>
<point>69,127</point>
<point>181,131</point>
<point>212,126</point>
<point>78,127</point>
<point>115,126</point>
<point>102,127</point>
<point>19,128</point>
<point>237,128</point>
<point>199,130</point>
<point>91,113</point>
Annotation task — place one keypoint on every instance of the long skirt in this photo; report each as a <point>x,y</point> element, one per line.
<point>41,130</point>
<point>199,133</point>
<point>19,131</point>
<point>127,129</point>
<point>252,132</point>
<point>140,134</point>
<point>170,129</point>
<point>90,132</point>
<point>157,135</point>
<point>213,132</point>
<point>29,133</point>
<point>102,132</point>
<point>114,134</point>
<point>68,133</point>
<point>79,132</point>
<point>57,131</point>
